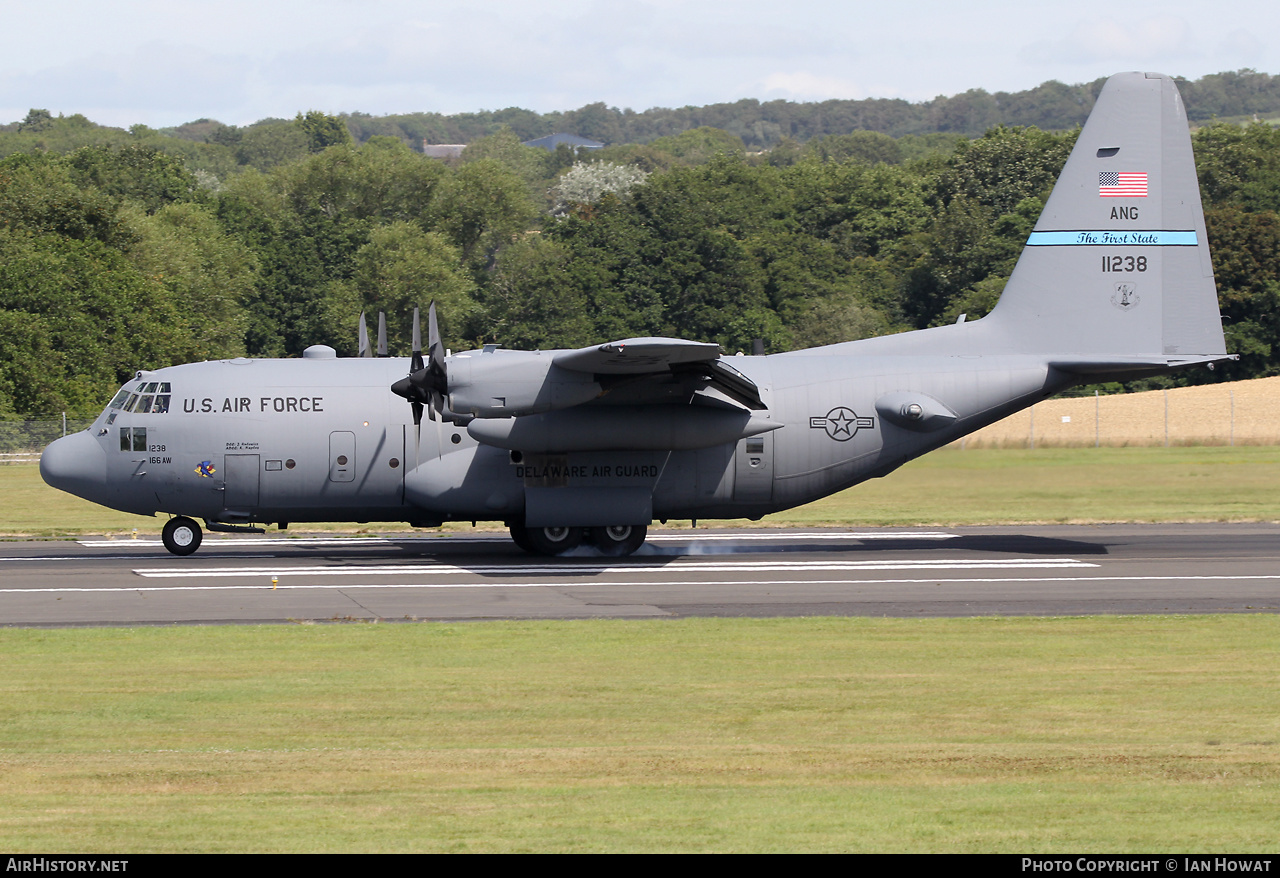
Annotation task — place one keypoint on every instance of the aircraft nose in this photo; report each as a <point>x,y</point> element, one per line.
<point>75,464</point>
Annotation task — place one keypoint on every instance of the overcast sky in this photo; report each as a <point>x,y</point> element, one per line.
<point>165,62</point>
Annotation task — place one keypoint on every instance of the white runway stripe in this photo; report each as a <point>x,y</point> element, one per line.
<point>213,542</point>
<point>616,568</point>
<point>595,584</point>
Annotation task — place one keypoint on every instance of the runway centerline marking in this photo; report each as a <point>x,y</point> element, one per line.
<point>583,569</point>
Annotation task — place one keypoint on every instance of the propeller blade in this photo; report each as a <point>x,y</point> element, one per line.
<point>415,362</point>
<point>362,349</point>
<point>439,419</point>
<point>427,383</point>
<point>435,348</point>
<point>382,334</point>
<point>437,377</point>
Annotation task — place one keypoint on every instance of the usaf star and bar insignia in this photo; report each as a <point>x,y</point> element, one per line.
<point>841,423</point>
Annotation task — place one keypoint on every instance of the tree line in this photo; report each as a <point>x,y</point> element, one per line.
<point>125,255</point>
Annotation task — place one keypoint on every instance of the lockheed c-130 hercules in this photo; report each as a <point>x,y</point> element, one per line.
<point>593,444</point>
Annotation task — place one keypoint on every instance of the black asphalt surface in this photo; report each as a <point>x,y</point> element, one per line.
<point>1013,570</point>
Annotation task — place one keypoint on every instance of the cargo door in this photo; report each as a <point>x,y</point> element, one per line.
<point>240,479</point>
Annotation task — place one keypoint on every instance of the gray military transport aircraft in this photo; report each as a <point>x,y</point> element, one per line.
<point>594,444</point>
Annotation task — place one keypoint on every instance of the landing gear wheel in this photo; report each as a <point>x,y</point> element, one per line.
<point>181,536</point>
<point>520,536</point>
<point>618,539</point>
<point>553,540</point>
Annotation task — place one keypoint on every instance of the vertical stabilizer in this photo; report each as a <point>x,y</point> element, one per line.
<point>1119,263</point>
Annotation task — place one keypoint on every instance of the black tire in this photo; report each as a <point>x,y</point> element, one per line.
<point>553,540</point>
<point>618,540</point>
<point>181,535</point>
<point>520,536</point>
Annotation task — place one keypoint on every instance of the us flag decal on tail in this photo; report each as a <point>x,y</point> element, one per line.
<point>1121,184</point>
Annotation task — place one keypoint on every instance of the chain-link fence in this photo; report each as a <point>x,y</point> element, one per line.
<point>22,441</point>
<point>1239,413</point>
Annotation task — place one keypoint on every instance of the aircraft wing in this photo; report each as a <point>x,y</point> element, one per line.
<point>634,362</point>
<point>637,356</point>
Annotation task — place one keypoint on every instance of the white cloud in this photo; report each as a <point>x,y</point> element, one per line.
<point>161,62</point>
<point>1160,37</point>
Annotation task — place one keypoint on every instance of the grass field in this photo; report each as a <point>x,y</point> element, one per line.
<point>1032,735</point>
<point>947,487</point>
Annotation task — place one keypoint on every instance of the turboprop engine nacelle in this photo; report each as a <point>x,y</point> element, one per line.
<point>495,383</point>
<point>610,428</point>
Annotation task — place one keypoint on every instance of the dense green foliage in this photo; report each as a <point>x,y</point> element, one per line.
<point>762,125</point>
<point>120,251</point>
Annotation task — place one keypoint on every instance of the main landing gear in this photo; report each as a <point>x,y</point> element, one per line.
<point>181,535</point>
<point>614,540</point>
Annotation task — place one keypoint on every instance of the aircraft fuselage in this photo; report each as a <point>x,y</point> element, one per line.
<point>271,441</point>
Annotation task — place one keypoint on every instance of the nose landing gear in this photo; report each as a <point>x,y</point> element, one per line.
<point>181,535</point>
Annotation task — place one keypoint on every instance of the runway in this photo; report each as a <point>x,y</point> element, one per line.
<point>1012,570</point>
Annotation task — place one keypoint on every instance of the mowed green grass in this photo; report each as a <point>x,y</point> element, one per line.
<point>1027,735</point>
<point>947,487</point>
<point>1044,735</point>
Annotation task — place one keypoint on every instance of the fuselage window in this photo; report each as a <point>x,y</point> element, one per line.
<point>144,404</point>
<point>133,400</point>
<point>133,439</point>
<point>119,398</point>
<point>162,403</point>
<point>164,387</point>
<point>150,388</point>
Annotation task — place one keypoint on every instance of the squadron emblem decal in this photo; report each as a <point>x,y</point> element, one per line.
<point>1125,296</point>
<point>841,423</point>
<point>205,469</point>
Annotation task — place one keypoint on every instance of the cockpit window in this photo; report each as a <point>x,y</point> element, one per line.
<point>146,397</point>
